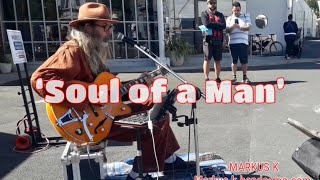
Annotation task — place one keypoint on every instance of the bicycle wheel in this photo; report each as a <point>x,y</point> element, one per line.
<point>256,48</point>
<point>276,49</point>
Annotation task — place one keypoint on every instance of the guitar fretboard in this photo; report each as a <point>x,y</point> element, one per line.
<point>142,80</point>
<point>125,88</point>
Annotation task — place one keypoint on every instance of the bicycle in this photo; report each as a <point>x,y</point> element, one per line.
<point>275,47</point>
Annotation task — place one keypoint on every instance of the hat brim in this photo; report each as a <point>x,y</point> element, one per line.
<point>78,22</point>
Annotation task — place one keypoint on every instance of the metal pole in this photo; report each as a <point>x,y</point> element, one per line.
<point>139,153</point>
<point>174,13</point>
<point>161,30</point>
<point>311,24</point>
<point>304,17</point>
<point>292,6</point>
<point>196,138</point>
<point>196,12</point>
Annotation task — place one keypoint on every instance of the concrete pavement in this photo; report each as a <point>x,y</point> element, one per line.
<point>238,132</point>
<point>192,64</point>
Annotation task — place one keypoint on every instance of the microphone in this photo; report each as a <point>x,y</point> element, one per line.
<point>133,43</point>
<point>121,37</point>
<point>145,50</point>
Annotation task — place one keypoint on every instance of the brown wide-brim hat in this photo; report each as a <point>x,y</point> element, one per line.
<point>92,12</point>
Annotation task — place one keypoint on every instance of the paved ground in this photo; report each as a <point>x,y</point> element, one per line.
<point>238,132</point>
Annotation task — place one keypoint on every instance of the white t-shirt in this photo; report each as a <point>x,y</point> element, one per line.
<point>237,36</point>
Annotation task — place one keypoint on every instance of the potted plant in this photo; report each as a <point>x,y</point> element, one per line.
<point>177,49</point>
<point>5,64</point>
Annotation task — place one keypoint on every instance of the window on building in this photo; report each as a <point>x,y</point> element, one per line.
<point>50,10</point>
<point>8,12</point>
<point>36,10</point>
<point>6,26</point>
<point>25,31</point>
<point>40,51</point>
<point>22,10</point>
<point>45,25</point>
<point>38,31</point>
<point>52,32</point>
<point>1,42</point>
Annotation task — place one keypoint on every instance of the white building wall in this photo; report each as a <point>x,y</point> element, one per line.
<point>304,17</point>
<point>185,8</point>
<point>276,12</point>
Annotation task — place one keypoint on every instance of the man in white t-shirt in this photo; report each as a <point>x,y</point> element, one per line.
<point>238,25</point>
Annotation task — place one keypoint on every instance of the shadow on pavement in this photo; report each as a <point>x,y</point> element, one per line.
<point>290,66</point>
<point>10,160</point>
<point>118,143</point>
<point>275,82</point>
<point>15,83</point>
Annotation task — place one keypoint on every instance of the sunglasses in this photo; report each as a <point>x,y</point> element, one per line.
<point>212,3</point>
<point>106,27</point>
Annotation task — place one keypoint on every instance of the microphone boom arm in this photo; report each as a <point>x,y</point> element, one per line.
<point>164,65</point>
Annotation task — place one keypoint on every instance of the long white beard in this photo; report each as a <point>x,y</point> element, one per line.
<point>94,49</point>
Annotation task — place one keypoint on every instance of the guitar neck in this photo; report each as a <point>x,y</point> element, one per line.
<point>142,80</point>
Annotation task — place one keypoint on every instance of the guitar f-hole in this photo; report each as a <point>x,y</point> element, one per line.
<point>100,124</point>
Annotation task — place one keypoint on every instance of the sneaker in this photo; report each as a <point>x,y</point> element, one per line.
<point>218,80</point>
<point>234,80</point>
<point>246,80</point>
<point>179,164</point>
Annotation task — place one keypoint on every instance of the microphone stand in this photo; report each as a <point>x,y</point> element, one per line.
<point>194,105</point>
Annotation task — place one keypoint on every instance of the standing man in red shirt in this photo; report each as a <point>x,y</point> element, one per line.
<point>213,40</point>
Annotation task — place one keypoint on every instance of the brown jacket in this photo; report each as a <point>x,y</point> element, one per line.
<point>67,64</point>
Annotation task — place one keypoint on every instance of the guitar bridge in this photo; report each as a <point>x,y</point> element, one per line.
<point>66,118</point>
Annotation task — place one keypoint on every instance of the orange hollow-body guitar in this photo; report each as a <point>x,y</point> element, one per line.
<point>94,123</point>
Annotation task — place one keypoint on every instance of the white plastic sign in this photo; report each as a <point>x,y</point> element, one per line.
<point>16,46</point>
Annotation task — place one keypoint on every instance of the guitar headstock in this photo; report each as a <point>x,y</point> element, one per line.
<point>159,71</point>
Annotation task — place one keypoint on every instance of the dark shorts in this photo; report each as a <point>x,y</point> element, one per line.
<point>239,51</point>
<point>212,51</point>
